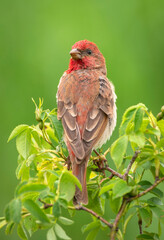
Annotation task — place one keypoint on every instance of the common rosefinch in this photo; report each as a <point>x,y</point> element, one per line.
<point>86,107</point>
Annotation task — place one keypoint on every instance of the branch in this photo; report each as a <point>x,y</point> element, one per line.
<point>117,219</point>
<point>146,191</point>
<point>93,213</point>
<point>102,158</point>
<point>45,205</point>
<point>130,164</point>
<point>114,173</point>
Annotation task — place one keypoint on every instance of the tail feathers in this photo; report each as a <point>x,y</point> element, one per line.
<point>79,170</point>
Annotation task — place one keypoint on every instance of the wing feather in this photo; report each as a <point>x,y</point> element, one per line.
<point>99,115</point>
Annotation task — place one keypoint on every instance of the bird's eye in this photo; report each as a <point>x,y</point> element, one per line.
<point>89,51</point>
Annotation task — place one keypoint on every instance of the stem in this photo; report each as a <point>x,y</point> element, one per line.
<point>117,219</point>
<point>97,153</point>
<point>140,223</point>
<point>45,205</point>
<point>130,164</point>
<point>93,213</point>
<point>113,172</point>
<point>46,139</point>
<point>146,191</point>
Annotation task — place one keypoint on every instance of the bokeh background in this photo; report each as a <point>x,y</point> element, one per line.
<point>35,39</point>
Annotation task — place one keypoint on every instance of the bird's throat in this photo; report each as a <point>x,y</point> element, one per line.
<point>75,65</point>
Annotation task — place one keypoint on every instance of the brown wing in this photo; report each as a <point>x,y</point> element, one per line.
<point>97,117</point>
<point>100,115</point>
<point>67,113</point>
<point>71,129</point>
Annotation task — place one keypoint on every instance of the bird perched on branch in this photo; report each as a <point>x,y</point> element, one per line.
<point>86,107</point>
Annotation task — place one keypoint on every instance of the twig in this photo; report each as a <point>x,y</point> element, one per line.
<point>130,164</point>
<point>93,213</point>
<point>146,191</point>
<point>111,176</point>
<point>117,219</point>
<point>45,205</point>
<point>46,139</point>
<point>113,172</point>
<point>97,153</point>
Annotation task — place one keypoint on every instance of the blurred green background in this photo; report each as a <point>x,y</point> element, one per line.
<point>35,39</point>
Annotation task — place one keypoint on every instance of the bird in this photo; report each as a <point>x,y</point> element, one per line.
<point>86,103</point>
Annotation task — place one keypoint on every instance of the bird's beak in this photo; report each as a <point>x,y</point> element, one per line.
<point>75,54</point>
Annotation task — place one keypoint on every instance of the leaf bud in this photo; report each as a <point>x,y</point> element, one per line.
<point>159,116</point>
<point>41,125</point>
<point>162,109</point>
<point>38,112</point>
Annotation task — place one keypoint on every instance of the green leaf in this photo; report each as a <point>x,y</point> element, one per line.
<point>65,221</point>
<point>137,138</point>
<point>161,126</point>
<point>53,172</point>
<point>30,224</point>
<point>144,125</point>
<point>13,211</point>
<point>23,143</point>
<point>91,226</point>
<point>126,119</point>
<point>92,235</point>
<point>158,212</point>
<point>153,131</point>
<point>160,144</point>
<point>121,188</point>
<point>155,201</point>
<point>34,209</point>
<point>9,228</point>
<point>119,235</point>
<point>115,204</point>
<point>63,202</point>
<point>160,156</point>
<point>118,149</point>
<point>67,184</point>
<point>106,188</point>
<point>22,171</point>
<point>138,119</point>
<point>2,223</point>
<point>144,236</point>
<point>60,232</point>
<point>21,232</point>
<point>157,192</point>
<point>57,125</point>
<point>152,119</point>
<point>17,131</point>
<point>155,236</point>
<point>31,187</point>
<point>146,216</point>
<point>127,221</point>
<point>56,209</point>
<point>95,203</point>
<point>51,235</point>
<point>30,159</point>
